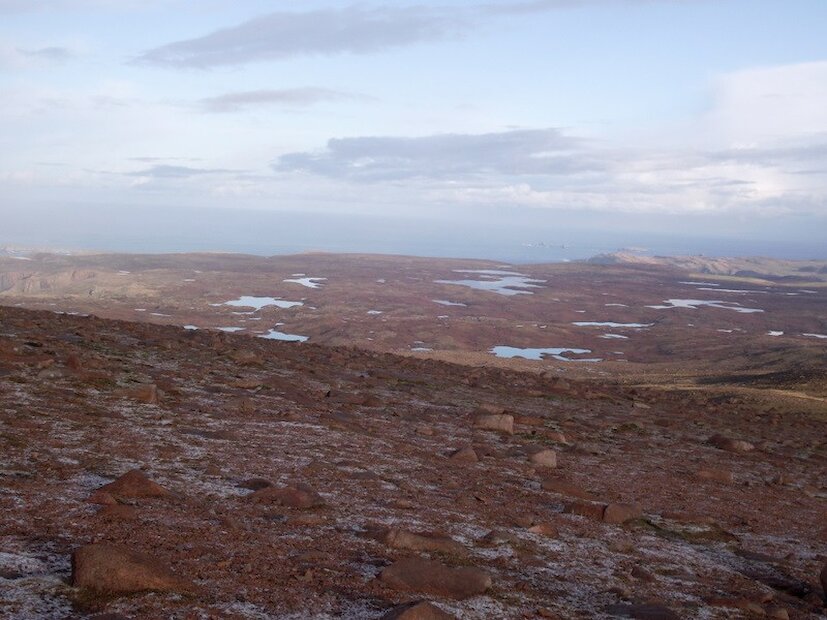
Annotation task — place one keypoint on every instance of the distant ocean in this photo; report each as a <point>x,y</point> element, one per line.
<point>507,236</point>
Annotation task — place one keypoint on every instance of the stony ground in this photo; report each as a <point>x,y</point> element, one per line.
<point>294,478</point>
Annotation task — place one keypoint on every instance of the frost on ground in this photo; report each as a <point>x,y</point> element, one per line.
<point>372,438</point>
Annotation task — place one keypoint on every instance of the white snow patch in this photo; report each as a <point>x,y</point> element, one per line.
<point>694,304</point>
<point>611,324</point>
<point>733,290</point>
<point>310,282</point>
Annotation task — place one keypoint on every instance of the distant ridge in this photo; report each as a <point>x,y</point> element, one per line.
<point>750,268</point>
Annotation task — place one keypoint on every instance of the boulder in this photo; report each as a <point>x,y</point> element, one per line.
<point>716,475</point>
<point>544,529</point>
<point>299,496</point>
<point>529,420</point>
<point>589,510</point>
<point>255,484</point>
<point>544,458</point>
<point>431,577</point>
<point>102,497</point>
<point>118,512</point>
<point>777,612</point>
<point>555,436</point>
<point>464,455</point>
<point>134,485</point>
<point>642,612</point>
<point>403,539</point>
<point>112,569</point>
<point>620,513</point>
<point>501,423</point>
<point>489,408</point>
<point>730,445</point>
<point>147,393</point>
<point>419,610</point>
<point>562,487</point>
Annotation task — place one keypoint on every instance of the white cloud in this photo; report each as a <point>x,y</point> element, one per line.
<point>19,57</point>
<point>768,104</point>
<point>287,97</point>
<point>446,156</point>
<point>280,35</point>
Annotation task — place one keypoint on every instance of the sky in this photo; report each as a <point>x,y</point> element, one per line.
<point>590,122</point>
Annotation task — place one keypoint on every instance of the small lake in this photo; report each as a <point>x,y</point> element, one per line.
<point>560,354</point>
<point>277,335</point>
<point>506,283</point>
<point>248,301</point>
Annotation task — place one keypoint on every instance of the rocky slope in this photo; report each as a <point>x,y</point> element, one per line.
<point>152,472</point>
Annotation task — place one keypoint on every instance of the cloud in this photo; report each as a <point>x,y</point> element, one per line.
<point>547,168</point>
<point>289,97</point>
<point>772,103</point>
<point>781,155</point>
<point>167,171</point>
<point>16,57</point>
<point>517,152</point>
<point>280,35</point>
<point>542,6</point>
<point>31,6</point>
<point>52,53</point>
<point>152,160</point>
<point>356,29</point>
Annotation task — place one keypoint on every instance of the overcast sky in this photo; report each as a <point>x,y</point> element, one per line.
<point>703,110</point>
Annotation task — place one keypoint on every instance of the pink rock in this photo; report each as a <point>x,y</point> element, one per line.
<point>112,569</point>
<point>134,484</point>
<point>421,610</point>
<point>464,455</point>
<point>620,513</point>
<point>544,458</point>
<point>502,423</point>
<point>435,578</point>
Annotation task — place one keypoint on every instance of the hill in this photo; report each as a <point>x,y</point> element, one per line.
<point>241,477</point>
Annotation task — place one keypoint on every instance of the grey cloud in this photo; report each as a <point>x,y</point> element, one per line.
<point>17,6</point>
<point>280,35</point>
<point>541,6</point>
<point>31,6</point>
<point>152,160</point>
<point>774,156</point>
<point>356,29</point>
<point>537,6</point>
<point>291,97</point>
<point>164,171</point>
<point>54,53</point>
<point>518,153</point>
